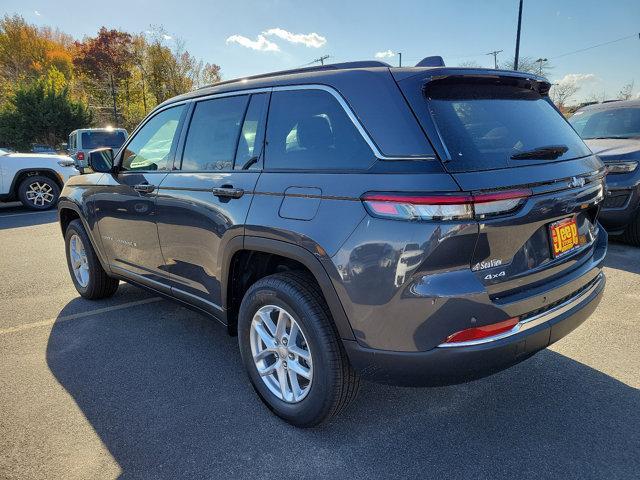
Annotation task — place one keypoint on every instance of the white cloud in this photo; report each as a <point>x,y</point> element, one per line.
<point>385,54</point>
<point>38,14</point>
<point>307,39</point>
<point>167,37</point>
<point>578,79</point>
<point>261,43</point>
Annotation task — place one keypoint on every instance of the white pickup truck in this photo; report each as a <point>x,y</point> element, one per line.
<point>34,179</point>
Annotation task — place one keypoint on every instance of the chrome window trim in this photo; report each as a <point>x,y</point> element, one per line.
<point>312,86</point>
<point>534,321</point>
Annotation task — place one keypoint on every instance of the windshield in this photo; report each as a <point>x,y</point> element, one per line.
<point>609,123</point>
<point>3,152</point>
<point>99,139</point>
<point>487,125</point>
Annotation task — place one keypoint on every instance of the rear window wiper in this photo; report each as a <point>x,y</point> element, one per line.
<point>550,152</point>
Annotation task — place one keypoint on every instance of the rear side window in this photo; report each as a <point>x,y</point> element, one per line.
<point>213,134</point>
<point>607,123</point>
<point>486,124</point>
<point>309,130</point>
<point>252,134</point>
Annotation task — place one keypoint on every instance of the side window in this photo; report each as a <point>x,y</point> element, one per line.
<point>252,134</point>
<point>72,143</point>
<point>309,130</point>
<point>150,149</point>
<point>213,134</point>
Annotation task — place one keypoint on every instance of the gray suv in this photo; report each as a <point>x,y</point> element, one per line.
<point>414,226</point>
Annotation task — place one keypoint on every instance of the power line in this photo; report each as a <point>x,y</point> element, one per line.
<point>321,59</point>
<point>596,46</point>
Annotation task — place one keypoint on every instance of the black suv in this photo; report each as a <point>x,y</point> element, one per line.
<point>415,226</point>
<point>612,131</point>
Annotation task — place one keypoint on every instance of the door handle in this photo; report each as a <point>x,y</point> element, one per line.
<point>144,188</point>
<point>228,192</point>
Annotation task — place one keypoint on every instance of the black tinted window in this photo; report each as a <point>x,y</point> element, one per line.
<point>213,134</point>
<point>93,140</point>
<point>252,134</point>
<point>607,123</point>
<point>487,125</point>
<point>309,130</point>
<point>150,148</point>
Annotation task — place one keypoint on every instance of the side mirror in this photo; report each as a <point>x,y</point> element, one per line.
<point>101,160</point>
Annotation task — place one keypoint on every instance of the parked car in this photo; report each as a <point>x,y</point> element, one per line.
<point>405,225</point>
<point>42,148</point>
<point>34,179</point>
<point>612,131</point>
<point>83,140</point>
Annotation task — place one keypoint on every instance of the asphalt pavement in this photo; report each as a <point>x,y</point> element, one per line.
<point>139,387</point>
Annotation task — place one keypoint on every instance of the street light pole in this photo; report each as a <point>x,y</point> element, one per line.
<point>515,62</point>
<point>399,59</point>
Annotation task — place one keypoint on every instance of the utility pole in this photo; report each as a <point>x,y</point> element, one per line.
<point>399,59</point>
<point>540,61</point>
<point>495,57</point>
<point>515,61</point>
<point>321,59</point>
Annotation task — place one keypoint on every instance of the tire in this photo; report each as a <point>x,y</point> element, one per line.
<point>631,234</point>
<point>334,383</point>
<point>38,192</point>
<point>93,283</point>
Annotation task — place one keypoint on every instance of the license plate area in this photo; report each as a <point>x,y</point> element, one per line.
<point>564,236</point>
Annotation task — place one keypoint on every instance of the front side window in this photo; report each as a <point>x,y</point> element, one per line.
<point>309,130</point>
<point>150,149</point>
<point>213,134</point>
<point>607,123</point>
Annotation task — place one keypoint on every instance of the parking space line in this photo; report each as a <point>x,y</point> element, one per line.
<point>75,316</point>
<point>26,213</point>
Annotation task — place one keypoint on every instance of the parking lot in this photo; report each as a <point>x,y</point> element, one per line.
<point>138,387</point>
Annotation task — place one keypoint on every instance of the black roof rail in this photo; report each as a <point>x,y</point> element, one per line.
<point>330,66</point>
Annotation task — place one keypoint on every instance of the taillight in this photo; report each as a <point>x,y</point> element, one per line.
<point>478,333</point>
<point>445,206</point>
<point>80,156</point>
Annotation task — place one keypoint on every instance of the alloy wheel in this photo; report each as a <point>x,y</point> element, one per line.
<point>281,353</point>
<point>40,194</point>
<point>79,261</point>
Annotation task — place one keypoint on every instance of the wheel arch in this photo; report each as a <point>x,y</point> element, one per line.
<point>20,175</point>
<point>294,253</point>
<point>69,211</point>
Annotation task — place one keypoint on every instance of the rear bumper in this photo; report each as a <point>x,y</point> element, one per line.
<point>442,366</point>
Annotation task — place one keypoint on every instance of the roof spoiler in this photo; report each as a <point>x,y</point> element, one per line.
<point>434,61</point>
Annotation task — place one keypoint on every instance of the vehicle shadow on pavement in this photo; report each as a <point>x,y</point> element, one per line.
<point>18,216</point>
<point>623,257</point>
<point>164,389</point>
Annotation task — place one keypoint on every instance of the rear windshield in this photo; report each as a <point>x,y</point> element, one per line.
<point>487,125</point>
<point>609,123</point>
<point>91,140</point>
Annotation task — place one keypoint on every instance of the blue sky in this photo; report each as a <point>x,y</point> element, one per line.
<point>248,37</point>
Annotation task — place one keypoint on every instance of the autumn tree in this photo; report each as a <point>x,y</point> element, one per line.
<point>561,92</point>
<point>107,60</point>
